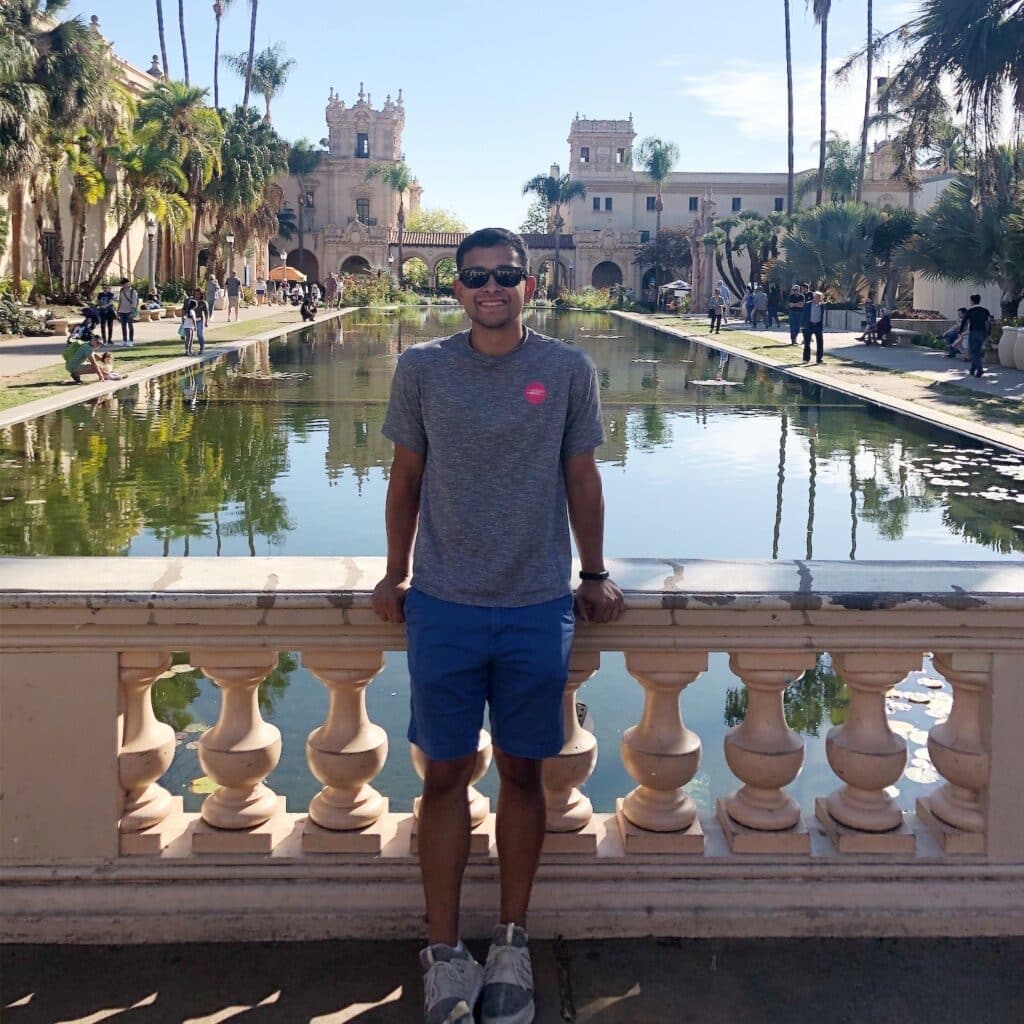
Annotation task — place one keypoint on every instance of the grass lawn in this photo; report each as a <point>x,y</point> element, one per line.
<point>54,380</point>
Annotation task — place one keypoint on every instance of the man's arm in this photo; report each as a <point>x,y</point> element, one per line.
<point>596,601</point>
<point>401,514</point>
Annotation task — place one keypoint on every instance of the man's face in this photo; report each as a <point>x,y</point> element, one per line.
<point>491,305</point>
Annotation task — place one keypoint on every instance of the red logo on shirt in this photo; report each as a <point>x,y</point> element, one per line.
<point>535,393</point>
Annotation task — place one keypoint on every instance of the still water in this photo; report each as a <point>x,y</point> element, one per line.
<point>278,451</point>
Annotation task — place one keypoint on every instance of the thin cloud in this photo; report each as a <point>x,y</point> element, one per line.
<point>753,97</point>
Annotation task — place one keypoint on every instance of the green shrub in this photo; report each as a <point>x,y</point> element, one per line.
<point>7,288</point>
<point>16,320</point>
<point>588,298</point>
<point>375,290</point>
<point>173,290</point>
<point>929,341</point>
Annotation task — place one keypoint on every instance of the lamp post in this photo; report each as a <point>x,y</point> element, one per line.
<point>151,239</point>
<point>391,266</point>
<point>230,239</point>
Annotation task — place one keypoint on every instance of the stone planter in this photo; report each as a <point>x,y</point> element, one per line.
<point>1007,341</point>
<point>1018,350</point>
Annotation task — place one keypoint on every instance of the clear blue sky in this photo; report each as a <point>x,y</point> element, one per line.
<point>489,96</point>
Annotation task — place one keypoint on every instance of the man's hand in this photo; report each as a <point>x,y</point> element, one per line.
<point>389,599</point>
<point>598,601</point>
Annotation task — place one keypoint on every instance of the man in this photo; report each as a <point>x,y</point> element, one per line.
<point>723,290</point>
<point>494,431</point>
<point>796,312</point>
<point>977,321</point>
<point>234,289</point>
<point>212,290</point>
<point>127,303</point>
<point>330,289</point>
<point>760,305</point>
<point>814,326</point>
<point>105,307</point>
<point>202,318</point>
<point>86,357</point>
<point>956,339</point>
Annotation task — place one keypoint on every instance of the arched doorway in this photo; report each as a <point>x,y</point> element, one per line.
<point>444,273</point>
<point>606,275</point>
<point>415,273</point>
<point>356,265</point>
<point>305,261</point>
<point>545,275</point>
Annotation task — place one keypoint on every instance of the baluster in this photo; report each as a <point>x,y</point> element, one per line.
<point>569,812</point>
<point>860,817</point>
<point>479,806</point>
<point>662,756</point>
<point>242,815</point>
<point>150,817</point>
<point>765,754</point>
<point>345,754</point>
<point>953,812</point>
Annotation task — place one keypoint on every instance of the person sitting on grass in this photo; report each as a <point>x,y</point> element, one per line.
<point>85,357</point>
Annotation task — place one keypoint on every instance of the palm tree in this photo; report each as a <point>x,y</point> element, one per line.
<point>398,178</point>
<point>163,38</point>
<point>842,170</point>
<point>973,231</point>
<point>821,9</point>
<point>184,44</point>
<point>655,158</point>
<point>303,159</point>
<point>268,72</point>
<point>867,104</point>
<point>174,116</point>
<point>219,7</point>
<point>556,192</point>
<point>789,108</point>
<point>50,74</point>
<point>254,4</point>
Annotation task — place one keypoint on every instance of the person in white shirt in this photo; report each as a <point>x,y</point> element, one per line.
<point>127,303</point>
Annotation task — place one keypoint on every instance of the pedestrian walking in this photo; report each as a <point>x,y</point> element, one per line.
<point>977,322</point>
<point>187,328</point>
<point>105,306</point>
<point>489,609</point>
<point>760,310</point>
<point>715,312</point>
<point>202,318</point>
<point>748,306</point>
<point>795,304</point>
<point>723,290</point>
<point>814,327</point>
<point>127,310</point>
<point>212,291</point>
<point>774,299</point>
<point>234,289</point>
<point>260,287</point>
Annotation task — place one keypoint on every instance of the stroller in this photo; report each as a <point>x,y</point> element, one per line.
<point>84,330</point>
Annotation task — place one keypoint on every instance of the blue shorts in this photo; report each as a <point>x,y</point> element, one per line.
<point>516,660</point>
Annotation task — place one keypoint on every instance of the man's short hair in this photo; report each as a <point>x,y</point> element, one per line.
<point>491,238</point>
<point>976,299</point>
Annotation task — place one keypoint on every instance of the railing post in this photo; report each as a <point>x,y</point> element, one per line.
<point>1001,798</point>
<point>765,755</point>
<point>662,756</point>
<point>345,754</point>
<point>569,811</point>
<point>243,815</point>
<point>860,817</point>
<point>953,812</point>
<point>147,749</point>
<point>479,805</point>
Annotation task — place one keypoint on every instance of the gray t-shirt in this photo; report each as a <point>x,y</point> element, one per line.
<point>233,286</point>
<point>494,430</point>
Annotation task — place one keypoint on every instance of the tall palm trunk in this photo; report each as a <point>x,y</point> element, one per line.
<point>824,80</point>
<point>104,261</point>
<point>789,104</point>
<point>218,12</point>
<point>558,240</point>
<point>184,43</point>
<point>252,53</point>
<point>659,205</point>
<point>867,106</point>
<point>401,238</point>
<point>17,228</point>
<point>163,38</point>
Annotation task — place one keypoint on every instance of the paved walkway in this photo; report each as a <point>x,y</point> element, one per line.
<point>914,381</point>
<point>20,355</point>
<point>638,981</point>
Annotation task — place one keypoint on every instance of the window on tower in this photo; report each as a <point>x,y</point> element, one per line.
<point>363,145</point>
<point>584,154</point>
<point>693,204</point>
<point>363,210</point>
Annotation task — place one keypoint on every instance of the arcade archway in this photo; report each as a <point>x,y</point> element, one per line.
<point>306,262</point>
<point>606,275</point>
<point>356,265</point>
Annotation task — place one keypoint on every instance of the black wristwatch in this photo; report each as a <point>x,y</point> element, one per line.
<point>595,577</point>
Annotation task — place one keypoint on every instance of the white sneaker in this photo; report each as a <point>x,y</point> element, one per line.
<point>452,981</point>
<point>508,978</point>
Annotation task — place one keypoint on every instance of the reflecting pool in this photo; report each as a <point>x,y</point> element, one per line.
<point>278,450</point>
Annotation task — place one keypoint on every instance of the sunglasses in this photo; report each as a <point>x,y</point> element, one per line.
<point>506,277</point>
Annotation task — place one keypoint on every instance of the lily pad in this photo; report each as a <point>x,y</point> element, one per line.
<point>919,698</point>
<point>196,727</point>
<point>918,736</point>
<point>932,684</point>
<point>203,785</point>
<point>922,776</point>
<point>901,728</point>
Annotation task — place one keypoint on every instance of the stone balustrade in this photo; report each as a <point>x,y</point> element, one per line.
<point>94,848</point>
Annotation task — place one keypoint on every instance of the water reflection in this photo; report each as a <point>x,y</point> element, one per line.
<point>279,449</point>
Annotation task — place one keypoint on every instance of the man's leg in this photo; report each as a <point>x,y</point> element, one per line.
<point>819,334</point>
<point>519,832</point>
<point>444,844</point>
<point>807,344</point>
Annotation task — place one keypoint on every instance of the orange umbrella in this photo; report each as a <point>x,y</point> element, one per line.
<point>287,274</point>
